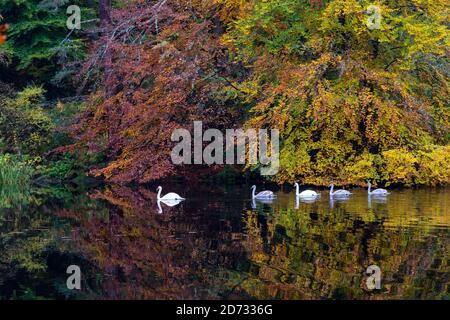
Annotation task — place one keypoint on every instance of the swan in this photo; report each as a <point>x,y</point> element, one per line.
<point>262,195</point>
<point>376,192</point>
<point>306,193</point>
<point>339,193</point>
<point>168,197</point>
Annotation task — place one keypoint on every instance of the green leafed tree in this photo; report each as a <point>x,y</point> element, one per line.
<point>38,47</point>
<point>25,128</point>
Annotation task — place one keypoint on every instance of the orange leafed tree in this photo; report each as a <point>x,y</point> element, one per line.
<point>158,70</point>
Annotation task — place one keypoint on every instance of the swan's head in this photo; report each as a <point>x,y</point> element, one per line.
<point>253,187</point>
<point>296,184</point>
<point>369,184</point>
<point>159,188</point>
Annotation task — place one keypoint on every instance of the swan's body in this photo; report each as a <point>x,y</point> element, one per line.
<point>305,194</point>
<point>262,195</point>
<point>168,197</point>
<point>339,193</point>
<point>308,194</point>
<point>376,192</point>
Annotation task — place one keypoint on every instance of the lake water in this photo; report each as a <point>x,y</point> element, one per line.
<point>219,245</point>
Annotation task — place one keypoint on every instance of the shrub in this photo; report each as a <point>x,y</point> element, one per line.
<point>24,125</point>
<point>399,166</point>
<point>434,166</point>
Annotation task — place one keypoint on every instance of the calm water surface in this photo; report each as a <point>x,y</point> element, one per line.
<point>220,245</point>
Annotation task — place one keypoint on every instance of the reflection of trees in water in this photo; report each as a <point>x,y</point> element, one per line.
<point>317,253</point>
<point>146,255</point>
<point>31,266</point>
<point>21,246</point>
<point>213,249</point>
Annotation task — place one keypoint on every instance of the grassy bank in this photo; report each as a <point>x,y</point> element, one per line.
<point>15,181</point>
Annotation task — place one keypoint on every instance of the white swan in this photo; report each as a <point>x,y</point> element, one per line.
<point>168,197</point>
<point>376,192</point>
<point>262,195</point>
<point>339,193</point>
<point>306,193</point>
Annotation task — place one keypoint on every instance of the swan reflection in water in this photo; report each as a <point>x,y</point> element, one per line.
<point>169,203</point>
<point>304,200</point>
<point>376,199</point>
<point>334,200</point>
<point>262,200</point>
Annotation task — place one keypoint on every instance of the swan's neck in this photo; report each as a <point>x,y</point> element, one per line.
<point>331,190</point>
<point>159,193</point>
<point>370,188</point>
<point>253,193</point>
<point>297,189</point>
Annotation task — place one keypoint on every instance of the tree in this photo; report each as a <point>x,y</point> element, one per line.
<point>25,128</point>
<point>346,97</point>
<point>104,11</point>
<point>352,102</point>
<point>164,69</point>
<point>38,45</point>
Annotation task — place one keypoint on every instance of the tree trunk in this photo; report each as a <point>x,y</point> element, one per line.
<point>104,12</point>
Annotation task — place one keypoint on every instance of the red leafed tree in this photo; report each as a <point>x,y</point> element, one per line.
<point>316,3</point>
<point>157,67</point>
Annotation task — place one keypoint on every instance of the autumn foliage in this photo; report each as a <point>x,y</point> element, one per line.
<point>159,75</point>
<point>352,103</point>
